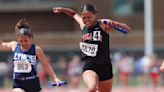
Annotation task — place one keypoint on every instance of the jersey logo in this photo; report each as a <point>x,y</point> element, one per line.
<point>97,28</point>
<point>95,36</point>
<point>87,36</point>
<point>24,57</point>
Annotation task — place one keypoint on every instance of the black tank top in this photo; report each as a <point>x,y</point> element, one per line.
<point>97,36</point>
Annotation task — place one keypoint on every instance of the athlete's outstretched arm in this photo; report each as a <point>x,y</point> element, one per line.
<point>117,25</point>
<point>46,65</point>
<point>162,67</point>
<point>7,46</point>
<point>71,13</point>
<point>121,25</point>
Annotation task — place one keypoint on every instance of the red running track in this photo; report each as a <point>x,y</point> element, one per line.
<point>128,89</point>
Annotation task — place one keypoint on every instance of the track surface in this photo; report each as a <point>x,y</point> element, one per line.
<point>129,89</point>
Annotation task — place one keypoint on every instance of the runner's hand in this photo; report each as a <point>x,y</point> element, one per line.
<point>57,10</point>
<point>57,80</point>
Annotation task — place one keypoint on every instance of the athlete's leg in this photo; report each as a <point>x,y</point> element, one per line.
<point>162,67</point>
<point>105,86</point>
<point>90,78</point>
<point>18,90</point>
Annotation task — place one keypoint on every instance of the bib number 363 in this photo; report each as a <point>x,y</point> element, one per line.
<point>22,67</point>
<point>89,49</point>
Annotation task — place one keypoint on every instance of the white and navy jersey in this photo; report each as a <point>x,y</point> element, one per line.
<point>95,45</point>
<point>25,62</point>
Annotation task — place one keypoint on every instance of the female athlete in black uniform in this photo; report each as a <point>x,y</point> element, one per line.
<point>97,71</point>
<point>26,56</point>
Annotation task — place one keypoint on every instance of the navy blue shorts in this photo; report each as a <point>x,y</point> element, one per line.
<point>104,72</point>
<point>32,85</point>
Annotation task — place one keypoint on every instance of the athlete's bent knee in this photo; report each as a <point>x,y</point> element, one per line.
<point>18,90</point>
<point>92,89</point>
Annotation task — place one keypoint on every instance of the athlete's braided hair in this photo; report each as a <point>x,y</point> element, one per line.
<point>89,7</point>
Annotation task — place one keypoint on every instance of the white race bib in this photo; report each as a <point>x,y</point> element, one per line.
<point>89,49</point>
<point>22,67</point>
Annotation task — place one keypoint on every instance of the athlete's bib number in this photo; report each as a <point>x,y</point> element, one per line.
<point>89,49</point>
<point>22,67</point>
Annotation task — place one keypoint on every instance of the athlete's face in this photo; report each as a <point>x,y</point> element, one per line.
<point>24,40</point>
<point>88,18</point>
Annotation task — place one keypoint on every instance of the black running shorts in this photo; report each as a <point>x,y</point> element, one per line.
<point>104,72</point>
<point>32,85</point>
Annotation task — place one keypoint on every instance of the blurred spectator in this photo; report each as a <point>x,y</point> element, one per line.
<point>154,70</point>
<point>3,71</point>
<point>43,77</point>
<point>116,57</point>
<point>145,63</point>
<point>62,68</point>
<point>10,67</point>
<point>125,68</point>
<point>138,70</point>
<point>75,71</point>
